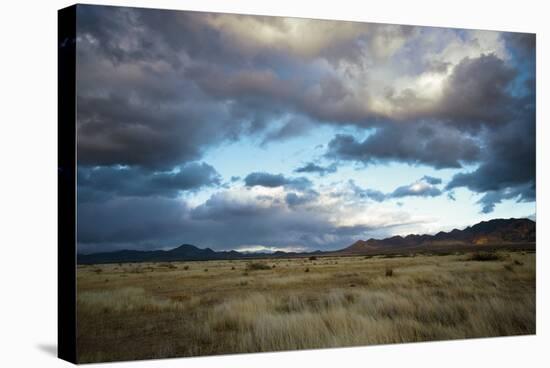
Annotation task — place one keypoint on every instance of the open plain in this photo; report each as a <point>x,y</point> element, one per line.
<point>156,310</point>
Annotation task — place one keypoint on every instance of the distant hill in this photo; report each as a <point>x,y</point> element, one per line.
<point>485,233</point>
<point>501,232</point>
<point>185,252</point>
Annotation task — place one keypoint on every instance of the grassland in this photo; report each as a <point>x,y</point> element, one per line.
<point>154,310</point>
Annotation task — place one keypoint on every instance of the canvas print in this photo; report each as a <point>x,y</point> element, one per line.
<point>252,183</point>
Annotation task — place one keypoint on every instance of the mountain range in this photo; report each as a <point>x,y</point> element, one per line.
<point>485,233</point>
<point>497,232</point>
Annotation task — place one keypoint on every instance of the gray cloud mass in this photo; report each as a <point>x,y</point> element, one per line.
<point>276,180</point>
<point>313,168</point>
<point>433,145</point>
<point>105,181</point>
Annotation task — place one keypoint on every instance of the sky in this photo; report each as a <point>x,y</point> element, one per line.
<point>262,133</point>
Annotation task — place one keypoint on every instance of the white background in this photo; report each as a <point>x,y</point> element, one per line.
<point>28,185</point>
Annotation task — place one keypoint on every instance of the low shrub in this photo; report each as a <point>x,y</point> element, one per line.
<point>483,257</point>
<point>257,266</point>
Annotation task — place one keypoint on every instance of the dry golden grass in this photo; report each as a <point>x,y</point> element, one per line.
<point>137,311</point>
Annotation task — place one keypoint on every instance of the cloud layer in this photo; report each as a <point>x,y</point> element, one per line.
<point>159,90</point>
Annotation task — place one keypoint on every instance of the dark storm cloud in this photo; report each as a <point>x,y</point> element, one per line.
<point>313,168</point>
<point>213,58</point>
<point>153,34</point>
<point>507,169</point>
<point>507,164</point>
<point>508,160</point>
<point>276,180</point>
<point>116,130</point>
<point>158,88</point>
<point>291,128</point>
<point>478,92</point>
<point>130,222</point>
<point>431,180</point>
<point>145,72</point>
<point>133,108</point>
<point>114,22</point>
<point>521,193</point>
<point>138,101</point>
<point>366,193</point>
<point>430,144</point>
<point>104,182</point>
